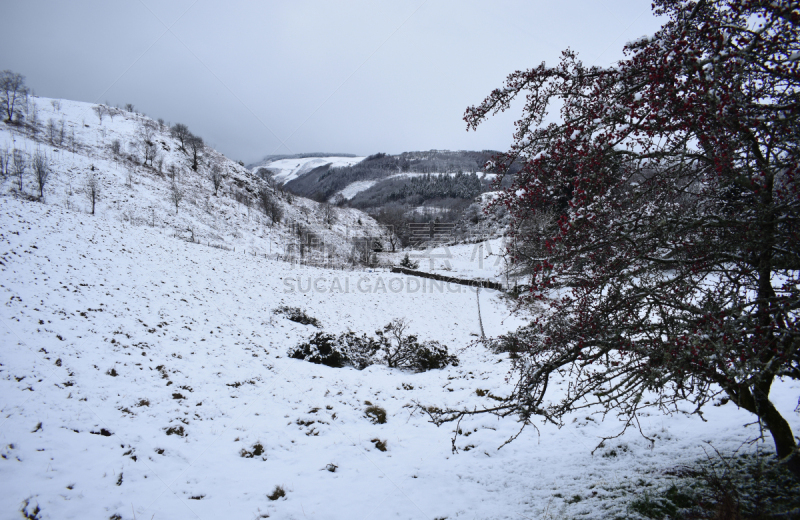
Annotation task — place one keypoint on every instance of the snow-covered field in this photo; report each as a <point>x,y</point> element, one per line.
<point>114,336</point>
<point>289,169</point>
<point>483,260</point>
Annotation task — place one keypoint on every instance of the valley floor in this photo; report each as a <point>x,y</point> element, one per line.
<point>136,369</point>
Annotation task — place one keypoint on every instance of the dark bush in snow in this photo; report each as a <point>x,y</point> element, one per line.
<point>408,263</point>
<point>322,349</point>
<point>297,315</point>
<point>393,347</point>
<point>431,355</point>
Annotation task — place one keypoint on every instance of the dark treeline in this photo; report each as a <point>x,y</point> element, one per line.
<point>325,181</point>
<point>458,186</point>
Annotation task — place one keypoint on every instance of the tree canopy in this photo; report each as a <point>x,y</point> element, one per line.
<point>658,220</point>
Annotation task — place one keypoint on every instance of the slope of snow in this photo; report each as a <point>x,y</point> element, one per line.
<point>289,169</point>
<point>135,193</point>
<point>355,188</point>
<point>114,335</point>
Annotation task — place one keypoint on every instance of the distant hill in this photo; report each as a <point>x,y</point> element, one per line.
<point>272,158</point>
<point>286,169</point>
<point>397,190</point>
<point>382,178</point>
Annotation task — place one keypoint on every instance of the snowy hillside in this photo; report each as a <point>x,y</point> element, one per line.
<point>287,170</point>
<point>146,376</point>
<point>141,193</point>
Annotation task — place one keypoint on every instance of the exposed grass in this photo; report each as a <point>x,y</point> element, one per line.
<point>172,430</point>
<point>256,451</point>
<point>277,493</point>
<point>297,315</point>
<point>30,511</point>
<point>748,486</point>
<point>376,414</point>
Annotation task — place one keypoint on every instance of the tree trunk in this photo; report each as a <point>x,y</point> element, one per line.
<point>756,401</point>
<point>785,444</point>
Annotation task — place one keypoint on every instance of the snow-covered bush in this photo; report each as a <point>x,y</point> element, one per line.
<point>397,349</point>
<point>408,263</point>
<point>297,315</point>
<point>392,347</point>
<point>360,350</point>
<point>322,349</point>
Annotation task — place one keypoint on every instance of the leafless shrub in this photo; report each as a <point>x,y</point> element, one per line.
<point>176,196</point>
<point>215,176</point>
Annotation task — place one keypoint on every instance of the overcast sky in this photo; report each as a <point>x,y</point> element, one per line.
<point>273,77</point>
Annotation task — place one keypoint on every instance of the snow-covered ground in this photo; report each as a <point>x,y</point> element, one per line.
<point>354,188</point>
<point>289,169</point>
<point>482,260</point>
<point>114,336</point>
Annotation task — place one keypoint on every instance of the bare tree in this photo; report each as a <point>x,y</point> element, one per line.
<point>41,171</point>
<point>215,176</point>
<point>12,88</point>
<point>145,142</point>
<point>181,132</point>
<point>159,162</point>
<point>5,158</point>
<point>73,141</point>
<point>265,175</point>
<point>328,214</point>
<point>61,132</point>
<point>176,196</point>
<point>196,146</point>
<point>269,205</point>
<point>92,190</point>
<point>172,171</point>
<point>33,120</point>
<point>129,108</point>
<point>265,200</point>
<point>56,104</point>
<point>20,165</point>
<point>100,110</point>
<point>52,132</point>
<point>276,212</point>
<point>116,146</point>
<point>398,232</point>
